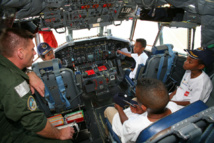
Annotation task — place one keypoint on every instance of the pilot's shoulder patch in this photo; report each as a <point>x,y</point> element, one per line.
<point>22,89</point>
<point>31,103</point>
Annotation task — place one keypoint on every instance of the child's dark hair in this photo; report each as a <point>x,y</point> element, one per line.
<point>201,62</point>
<point>142,42</point>
<point>153,94</point>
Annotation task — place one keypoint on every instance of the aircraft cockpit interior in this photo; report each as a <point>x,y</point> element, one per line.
<point>90,74</point>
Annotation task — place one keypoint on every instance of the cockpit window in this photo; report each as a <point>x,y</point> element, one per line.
<point>178,37</point>
<point>84,33</point>
<point>121,31</point>
<point>147,30</point>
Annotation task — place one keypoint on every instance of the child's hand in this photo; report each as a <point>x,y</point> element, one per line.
<point>118,51</point>
<point>138,109</point>
<point>118,107</point>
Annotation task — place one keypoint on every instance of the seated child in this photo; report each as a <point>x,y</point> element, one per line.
<point>153,104</point>
<point>196,84</point>
<point>45,51</point>
<point>139,56</point>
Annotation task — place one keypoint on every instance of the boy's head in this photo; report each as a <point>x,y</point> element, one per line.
<point>139,46</point>
<point>152,93</point>
<point>45,51</point>
<point>198,59</point>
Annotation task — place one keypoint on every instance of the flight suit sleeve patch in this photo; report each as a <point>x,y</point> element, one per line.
<point>31,103</point>
<point>22,89</point>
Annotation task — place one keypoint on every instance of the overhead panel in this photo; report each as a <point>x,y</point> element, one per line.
<point>79,14</point>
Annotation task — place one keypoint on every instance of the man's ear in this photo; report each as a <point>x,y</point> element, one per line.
<point>20,53</point>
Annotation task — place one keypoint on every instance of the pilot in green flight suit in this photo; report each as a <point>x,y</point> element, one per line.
<point>20,119</point>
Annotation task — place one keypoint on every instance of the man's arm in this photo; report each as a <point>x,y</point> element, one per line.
<point>51,132</point>
<point>123,53</point>
<point>36,83</point>
<point>182,103</point>
<point>122,115</point>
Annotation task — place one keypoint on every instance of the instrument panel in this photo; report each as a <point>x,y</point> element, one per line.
<point>89,51</point>
<point>94,62</point>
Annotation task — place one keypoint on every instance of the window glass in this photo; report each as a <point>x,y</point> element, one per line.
<point>147,30</point>
<point>178,37</point>
<point>120,31</point>
<point>84,33</point>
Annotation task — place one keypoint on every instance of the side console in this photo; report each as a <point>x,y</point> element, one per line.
<point>98,76</point>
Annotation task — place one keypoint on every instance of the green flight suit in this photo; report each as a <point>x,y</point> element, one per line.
<point>20,118</point>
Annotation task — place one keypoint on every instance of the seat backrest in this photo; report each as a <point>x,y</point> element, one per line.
<point>195,129</point>
<point>46,65</point>
<point>176,73</point>
<point>113,135</point>
<point>132,82</point>
<point>140,71</point>
<point>210,70</point>
<point>61,91</point>
<point>167,122</point>
<point>159,66</point>
<point>210,101</point>
<point>161,49</point>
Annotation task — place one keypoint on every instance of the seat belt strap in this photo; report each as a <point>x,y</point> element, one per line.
<point>60,83</point>
<point>160,66</point>
<point>169,62</point>
<point>48,97</point>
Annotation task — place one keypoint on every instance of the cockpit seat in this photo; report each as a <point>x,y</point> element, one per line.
<point>158,66</point>
<point>61,90</point>
<point>132,82</point>
<point>161,49</point>
<point>210,101</point>
<point>189,124</point>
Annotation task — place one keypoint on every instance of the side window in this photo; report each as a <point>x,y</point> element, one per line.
<point>179,38</point>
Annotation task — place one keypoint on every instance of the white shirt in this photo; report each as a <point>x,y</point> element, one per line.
<point>193,89</point>
<point>131,128</point>
<point>139,60</point>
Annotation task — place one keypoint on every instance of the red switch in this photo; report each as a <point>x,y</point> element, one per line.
<point>87,6</point>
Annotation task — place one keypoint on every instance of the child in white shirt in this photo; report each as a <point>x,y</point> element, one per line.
<point>139,56</point>
<point>153,104</point>
<point>196,84</point>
